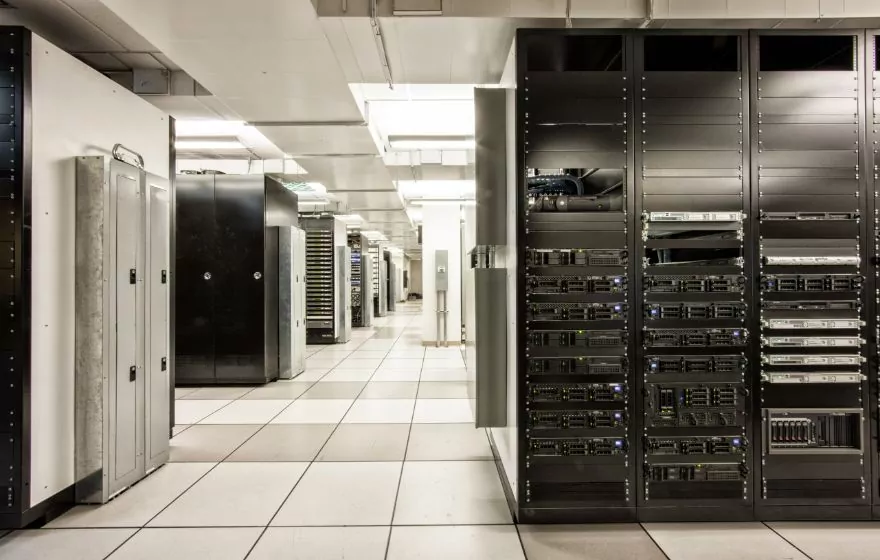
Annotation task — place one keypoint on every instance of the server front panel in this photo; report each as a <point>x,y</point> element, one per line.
<point>320,283</point>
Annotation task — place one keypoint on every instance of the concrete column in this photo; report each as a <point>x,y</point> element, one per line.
<point>441,229</point>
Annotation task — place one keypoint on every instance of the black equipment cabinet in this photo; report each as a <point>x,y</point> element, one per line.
<point>361,280</point>
<point>697,285</point>
<point>226,326</point>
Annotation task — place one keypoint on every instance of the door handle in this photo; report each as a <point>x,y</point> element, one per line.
<point>257,275</point>
<point>132,373</point>
<point>207,276</point>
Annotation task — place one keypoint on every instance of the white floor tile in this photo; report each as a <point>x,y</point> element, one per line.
<point>401,363</point>
<point>219,393</point>
<point>443,390</point>
<point>832,541</point>
<point>444,442</point>
<point>450,493</point>
<point>62,544</point>
<point>229,543</point>
<point>180,392</point>
<point>348,375</point>
<point>368,354</point>
<point>279,390</point>
<point>208,443</point>
<point>342,494</point>
<point>140,503</point>
<point>359,363</point>
<point>441,363</point>
<point>312,374</point>
<point>247,412</point>
<point>314,411</point>
<point>233,495</point>
<point>445,374</point>
<point>380,411</point>
<point>721,541</point>
<point>390,390</point>
<point>589,542</point>
<point>486,542</point>
<point>190,412</point>
<point>396,375</point>
<point>322,543</point>
<point>443,411</point>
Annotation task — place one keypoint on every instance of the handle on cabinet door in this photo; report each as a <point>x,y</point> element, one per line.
<point>257,275</point>
<point>207,276</point>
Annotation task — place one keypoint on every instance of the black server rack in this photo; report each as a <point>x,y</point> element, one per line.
<point>226,258</point>
<point>325,309</point>
<point>694,303</point>
<point>578,442</point>
<point>810,209</point>
<point>360,282</point>
<point>15,197</point>
<point>872,165</point>
<point>697,307</point>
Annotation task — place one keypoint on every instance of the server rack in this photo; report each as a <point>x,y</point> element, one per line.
<point>380,298</point>
<point>361,281</point>
<point>694,302</point>
<point>872,165</point>
<point>577,445</point>
<point>227,288</point>
<point>328,310</point>
<point>810,207</point>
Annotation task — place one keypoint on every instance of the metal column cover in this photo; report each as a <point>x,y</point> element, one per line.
<point>490,284</point>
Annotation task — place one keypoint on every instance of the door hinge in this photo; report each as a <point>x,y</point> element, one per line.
<point>164,363</point>
<point>164,276</point>
<point>132,276</point>
<point>132,373</point>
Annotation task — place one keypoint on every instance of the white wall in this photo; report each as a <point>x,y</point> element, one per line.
<point>441,229</point>
<point>399,264</point>
<point>75,112</point>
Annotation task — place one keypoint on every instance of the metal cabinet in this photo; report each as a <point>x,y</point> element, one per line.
<point>122,383</point>
<point>292,301</point>
<point>227,258</point>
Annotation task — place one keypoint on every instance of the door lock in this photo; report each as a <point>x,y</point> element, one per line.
<point>132,276</point>
<point>257,275</point>
<point>132,373</point>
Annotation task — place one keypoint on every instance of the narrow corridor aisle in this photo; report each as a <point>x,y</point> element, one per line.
<point>371,454</point>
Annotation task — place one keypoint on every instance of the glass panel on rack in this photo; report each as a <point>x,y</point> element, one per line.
<point>807,52</point>
<point>692,53</point>
<point>575,190</point>
<point>567,53</point>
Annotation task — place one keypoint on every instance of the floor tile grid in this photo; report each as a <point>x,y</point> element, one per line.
<point>188,488</point>
<point>268,525</point>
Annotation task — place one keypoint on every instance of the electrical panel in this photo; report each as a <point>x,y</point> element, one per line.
<point>696,305</point>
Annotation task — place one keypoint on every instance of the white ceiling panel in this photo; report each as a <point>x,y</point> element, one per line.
<point>103,61</point>
<point>61,24</point>
<point>351,174</point>
<point>313,140</point>
<point>140,60</point>
<point>193,107</point>
<point>370,199</point>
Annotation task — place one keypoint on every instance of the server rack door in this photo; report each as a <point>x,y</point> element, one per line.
<point>240,297</point>
<point>126,438</point>
<point>195,277</point>
<point>299,324</point>
<point>872,88</point>
<point>156,279</point>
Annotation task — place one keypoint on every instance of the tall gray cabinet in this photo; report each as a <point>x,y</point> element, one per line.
<point>122,330</point>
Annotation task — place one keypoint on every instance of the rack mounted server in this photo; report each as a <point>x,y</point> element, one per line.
<point>696,243</point>
<point>361,280</point>
<point>328,280</point>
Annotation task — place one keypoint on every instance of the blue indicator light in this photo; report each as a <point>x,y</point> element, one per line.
<point>735,333</point>
<point>737,442</point>
<point>617,280</point>
<point>653,312</point>
<point>618,416</point>
<point>653,366</point>
<point>618,443</point>
<point>617,388</point>
<point>617,308</point>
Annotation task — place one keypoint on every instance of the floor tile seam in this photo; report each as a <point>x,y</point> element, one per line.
<point>260,429</point>
<point>794,546</point>
<point>320,450</point>
<point>653,540</point>
<point>403,463</point>
<point>210,413</point>
<point>124,542</point>
<point>522,545</point>
<point>292,380</point>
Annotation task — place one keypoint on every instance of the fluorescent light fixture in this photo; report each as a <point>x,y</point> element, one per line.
<point>351,219</point>
<point>373,235</point>
<point>432,142</point>
<point>208,145</point>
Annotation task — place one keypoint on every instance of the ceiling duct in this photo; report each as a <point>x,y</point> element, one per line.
<point>417,8</point>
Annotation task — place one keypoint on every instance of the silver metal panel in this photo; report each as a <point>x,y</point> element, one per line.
<point>285,302</point>
<point>127,380</point>
<point>343,289</point>
<point>441,270</point>
<point>491,165</point>
<point>298,362</point>
<point>491,347</point>
<point>157,378</point>
<point>367,287</point>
